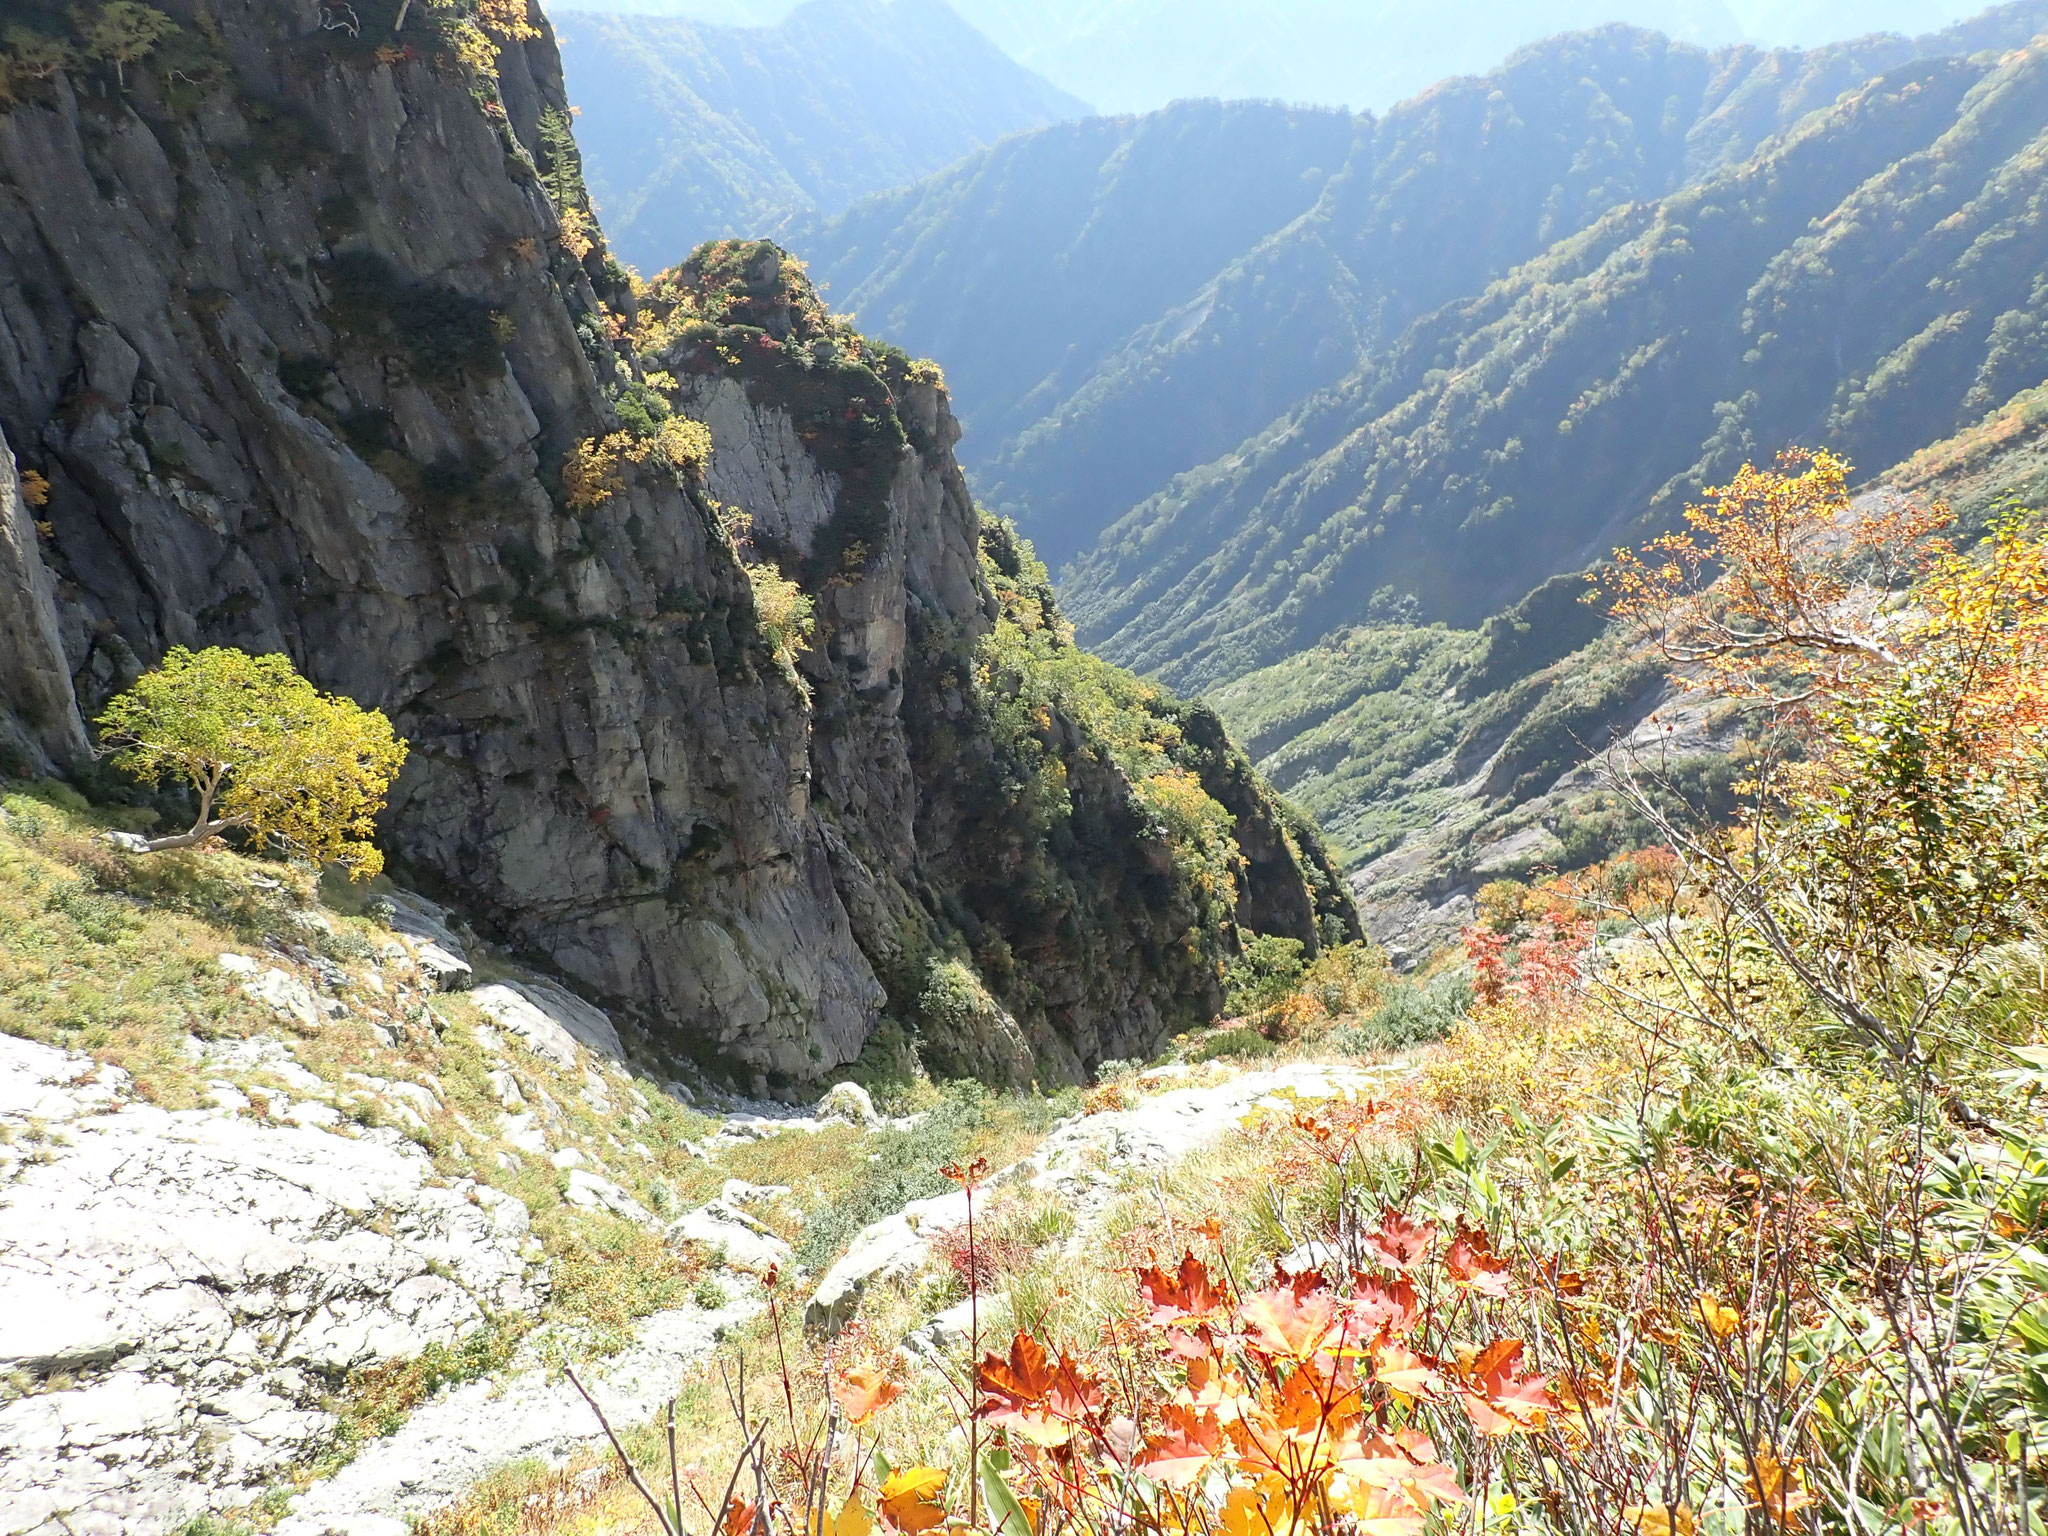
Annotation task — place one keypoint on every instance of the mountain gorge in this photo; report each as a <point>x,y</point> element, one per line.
<point>312,345</point>
<point>1861,283</point>
<point>1524,320</point>
<point>1123,346</point>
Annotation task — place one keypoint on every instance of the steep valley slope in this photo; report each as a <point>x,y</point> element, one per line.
<point>309,342</point>
<point>1438,759</point>
<point>1346,485</point>
<point>1871,282</point>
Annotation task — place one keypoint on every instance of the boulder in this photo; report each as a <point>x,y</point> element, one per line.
<point>892,1249</point>
<point>418,918</point>
<point>849,1101</point>
<point>740,1192</point>
<point>552,1021</point>
<point>721,1225</point>
<point>951,1329</point>
<point>291,998</point>
<point>443,970</point>
<point>594,1192</point>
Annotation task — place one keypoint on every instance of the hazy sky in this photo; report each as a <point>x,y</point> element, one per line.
<point>1135,55</point>
<point>1764,21</point>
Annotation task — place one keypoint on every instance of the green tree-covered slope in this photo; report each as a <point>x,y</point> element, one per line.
<point>1872,281</point>
<point>1024,266</point>
<point>692,131</point>
<point>1120,308</point>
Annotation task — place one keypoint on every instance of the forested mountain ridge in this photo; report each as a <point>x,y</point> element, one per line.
<point>1871,281</point>
<point>1086,402</point>
<point>1022,266</point>
<point>692,131</point>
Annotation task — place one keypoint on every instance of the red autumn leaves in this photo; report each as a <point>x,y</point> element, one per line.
<point>1246,1413</point>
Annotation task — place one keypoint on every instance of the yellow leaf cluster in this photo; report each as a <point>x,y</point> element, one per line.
<point>910,1500</point>
<point>786,611</point>
<point>595,471</point>
<point>579,232</point>
<point>1764,576</point>
<point>476,51</point>
<point>509,19</point>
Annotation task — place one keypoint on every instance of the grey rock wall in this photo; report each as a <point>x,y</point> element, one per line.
<point>302,350</point>
<point>219,343</point>
<point>39,723</point>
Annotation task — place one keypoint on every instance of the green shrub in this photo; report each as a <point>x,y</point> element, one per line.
<point>1266,973</point>
<point>1411,1015</point>
<point>905,1167</point>
<point>1242,1041</point>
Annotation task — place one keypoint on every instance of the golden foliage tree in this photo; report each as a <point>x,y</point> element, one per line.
<point>1914,680</point>
<point>124,33</point>
<point>263,749</point>
<point>1775,572</point>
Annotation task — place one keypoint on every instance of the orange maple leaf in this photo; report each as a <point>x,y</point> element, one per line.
<point>1552,1276</point>
<point>1379,1304</point>
<point>1778,1487</point>
<point>1189,1291</point>
<point>1498,1399</point>
<point>1210,1385</point>
<point>1472,1263</point>
<point>1383,1511</point>
<point>1283,1321</point>
<point>1402,1370</point>
<point>1185,1449</point>
<point>1400,1243</point>
<point>1032,1395</point>
<point>864,1392</point>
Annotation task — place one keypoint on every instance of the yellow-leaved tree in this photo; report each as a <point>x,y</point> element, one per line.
<point>264,750</point>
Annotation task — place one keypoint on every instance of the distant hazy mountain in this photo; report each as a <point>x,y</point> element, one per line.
<point>1119,301</point>
<point>692,131</point>
<point>1137,55</point>
<point>1131,55</point>
<point>1809,22</point>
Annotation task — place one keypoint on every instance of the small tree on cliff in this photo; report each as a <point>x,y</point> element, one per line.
<point>264,751</point>
<point>126,32</point>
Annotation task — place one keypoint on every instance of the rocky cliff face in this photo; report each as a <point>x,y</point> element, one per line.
<point>306,336</point>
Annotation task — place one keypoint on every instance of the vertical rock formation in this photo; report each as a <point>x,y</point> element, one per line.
<point>39,724</point>
<point>306,326</point>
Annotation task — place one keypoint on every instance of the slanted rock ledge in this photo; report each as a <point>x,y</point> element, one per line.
<point>182,1289</point>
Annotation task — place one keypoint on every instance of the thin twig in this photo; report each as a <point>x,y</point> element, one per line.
<point>632,1472</point>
